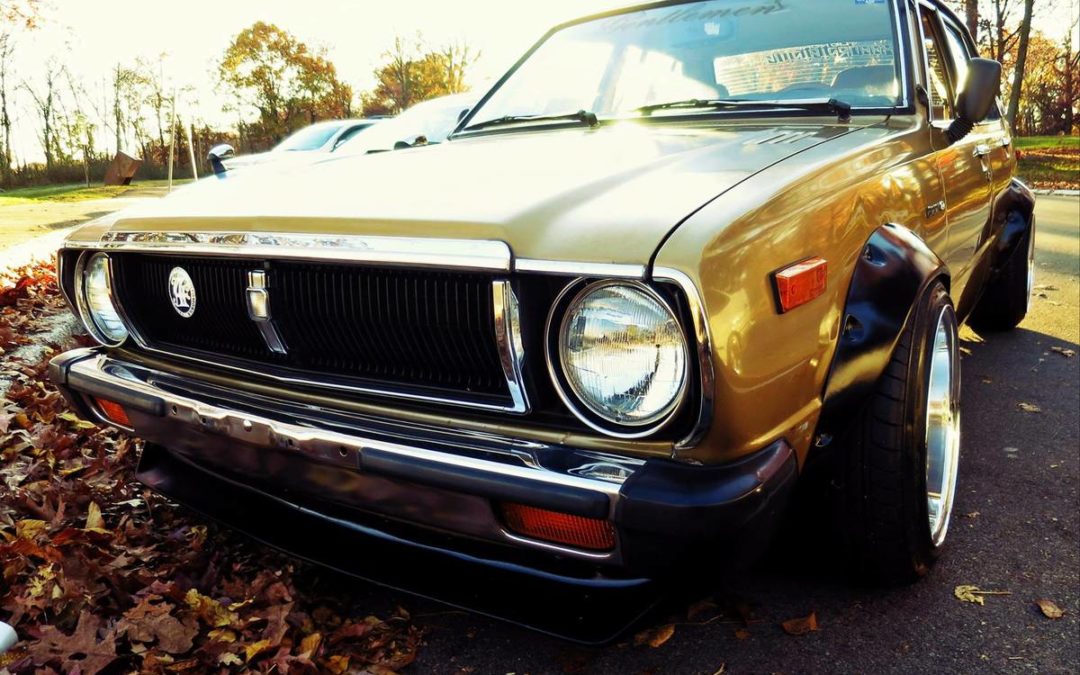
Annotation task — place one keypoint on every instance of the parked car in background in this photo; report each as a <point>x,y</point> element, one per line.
<point>682,257</point>
<point>426,123</point>
<point>319,138</point>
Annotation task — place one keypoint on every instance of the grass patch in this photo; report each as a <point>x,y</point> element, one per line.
<point>1050,162</point>
<point>78,192</point>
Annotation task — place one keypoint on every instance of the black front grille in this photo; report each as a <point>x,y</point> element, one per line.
<point>386,327</point>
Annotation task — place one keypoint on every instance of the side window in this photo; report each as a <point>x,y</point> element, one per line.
<point>941,103</point>
<point>959,55</point>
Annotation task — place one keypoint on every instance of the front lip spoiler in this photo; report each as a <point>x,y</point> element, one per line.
<point>589,611</point>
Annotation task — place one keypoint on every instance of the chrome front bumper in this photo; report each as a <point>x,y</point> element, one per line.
<point>425,481</point>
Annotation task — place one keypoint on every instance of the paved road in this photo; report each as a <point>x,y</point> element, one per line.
<point>1017,530</point>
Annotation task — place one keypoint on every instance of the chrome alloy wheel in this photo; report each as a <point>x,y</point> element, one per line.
<point>1030,267</point>
<point>942,425</point>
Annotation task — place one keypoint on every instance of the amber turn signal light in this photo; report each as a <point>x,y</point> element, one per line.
<point>593,534</point>
<point>113,411</point>
<point>800,283</point>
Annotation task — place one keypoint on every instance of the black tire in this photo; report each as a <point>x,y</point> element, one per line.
<point>1006,299</point>
<point>880,498</point>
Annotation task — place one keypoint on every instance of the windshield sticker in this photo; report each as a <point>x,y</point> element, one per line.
<point>695,14</point>
<point>836,50</point>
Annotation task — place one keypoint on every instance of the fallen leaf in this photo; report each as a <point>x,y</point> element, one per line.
<point>94,521</point>
<point>83,650</point>
<point>801,625</point>
<point>974,594</point>
<point>1050,609</point>
<point>1067,353</point>
<point>742,634</point>
<point>655,637</point>
<point>1029,407</point>
<point>255,648</point>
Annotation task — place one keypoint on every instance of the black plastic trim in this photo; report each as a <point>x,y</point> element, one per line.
<point>894,269</point>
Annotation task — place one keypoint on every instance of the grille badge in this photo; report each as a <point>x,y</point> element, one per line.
<point>258,305</point>
<point>182,292</point>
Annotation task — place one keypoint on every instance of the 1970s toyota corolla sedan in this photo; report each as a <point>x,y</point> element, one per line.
<point>679,258</point>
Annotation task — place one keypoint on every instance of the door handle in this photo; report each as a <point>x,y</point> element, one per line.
<point>982,150</point>
<point>1006,142</point>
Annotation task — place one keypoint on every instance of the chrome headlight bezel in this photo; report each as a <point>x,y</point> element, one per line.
<point>97,326</point>
<point>588,412</point>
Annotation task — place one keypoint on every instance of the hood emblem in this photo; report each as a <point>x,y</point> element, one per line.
<point>182,292</point>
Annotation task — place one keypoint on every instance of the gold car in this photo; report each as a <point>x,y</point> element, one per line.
<point>680,257</point>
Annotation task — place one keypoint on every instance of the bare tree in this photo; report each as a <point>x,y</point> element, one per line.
<point>971,16</point>
<point>45,104</point>
<point>457,57</point>
<point>1021,61</point>
<point>7,47</point>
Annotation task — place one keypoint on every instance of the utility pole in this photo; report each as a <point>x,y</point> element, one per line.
<point>172,137</point>
<point>191,149</point>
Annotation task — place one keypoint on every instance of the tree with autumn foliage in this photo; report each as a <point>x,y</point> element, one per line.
<point>286,82</point>
<point>412,72</point>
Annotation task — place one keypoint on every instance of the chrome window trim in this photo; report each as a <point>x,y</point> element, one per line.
<point>474,254</point>
<point>703,342</point>
<point>580,269</point>
<point>570,399</point>
<point>901,53</point>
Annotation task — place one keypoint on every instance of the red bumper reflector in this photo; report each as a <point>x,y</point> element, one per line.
<point>562,528</point>
<point>801,283</point>
<point>113,411</point>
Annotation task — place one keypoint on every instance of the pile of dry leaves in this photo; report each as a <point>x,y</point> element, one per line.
<point>100,575</point>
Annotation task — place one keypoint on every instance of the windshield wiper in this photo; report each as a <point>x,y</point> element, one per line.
<point>832,105</point>
<point>583,116</point>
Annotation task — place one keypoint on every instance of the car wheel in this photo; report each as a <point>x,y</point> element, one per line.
<point>1007,298</point>
<point>897,471</point>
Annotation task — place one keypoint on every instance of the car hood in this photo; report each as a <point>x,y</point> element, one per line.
<point>609,194</point>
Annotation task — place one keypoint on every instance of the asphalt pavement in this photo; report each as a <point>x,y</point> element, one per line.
<point>1016,529</point>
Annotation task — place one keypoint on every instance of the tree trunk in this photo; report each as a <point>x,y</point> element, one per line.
<point>971,12</point>
<point>1021,61</point>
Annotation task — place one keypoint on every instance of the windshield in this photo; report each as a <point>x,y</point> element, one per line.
<point>309,138</point>
<point>760,50</point>
<point>433,119</point>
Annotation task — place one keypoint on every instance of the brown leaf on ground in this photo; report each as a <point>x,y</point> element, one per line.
<point>742,634</point>
<point>801,625</point>
<point>1029,408</point>
<point>152,620</point>
<point>1050,609</point>
<point>82,650</point>
<point>655,637</point>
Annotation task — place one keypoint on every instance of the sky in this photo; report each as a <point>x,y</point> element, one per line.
<point>91,36</point>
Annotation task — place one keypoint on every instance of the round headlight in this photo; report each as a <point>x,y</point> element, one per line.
<point>99,312</point>
<point>623,354</point>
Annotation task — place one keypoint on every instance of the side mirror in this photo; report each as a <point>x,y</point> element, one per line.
<point>216,155</point>
<point>975,102</point>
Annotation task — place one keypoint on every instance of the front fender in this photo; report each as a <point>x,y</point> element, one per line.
<point>893,271</point>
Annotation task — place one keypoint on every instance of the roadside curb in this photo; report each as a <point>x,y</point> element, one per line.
<point>1058,193</point>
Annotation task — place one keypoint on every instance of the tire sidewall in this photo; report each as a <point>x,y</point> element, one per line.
<point>935,301</point>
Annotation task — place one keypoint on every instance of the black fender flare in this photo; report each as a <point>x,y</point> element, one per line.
<point>1017,203</point>
<point>893,271</point>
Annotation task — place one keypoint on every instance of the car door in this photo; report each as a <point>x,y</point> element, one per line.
<point>964,166</point>
<point>994,128</point>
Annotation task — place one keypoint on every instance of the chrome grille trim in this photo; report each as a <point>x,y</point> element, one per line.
<point>481,254</point>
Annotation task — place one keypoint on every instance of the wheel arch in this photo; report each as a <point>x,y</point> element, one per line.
<point>893,272</point>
